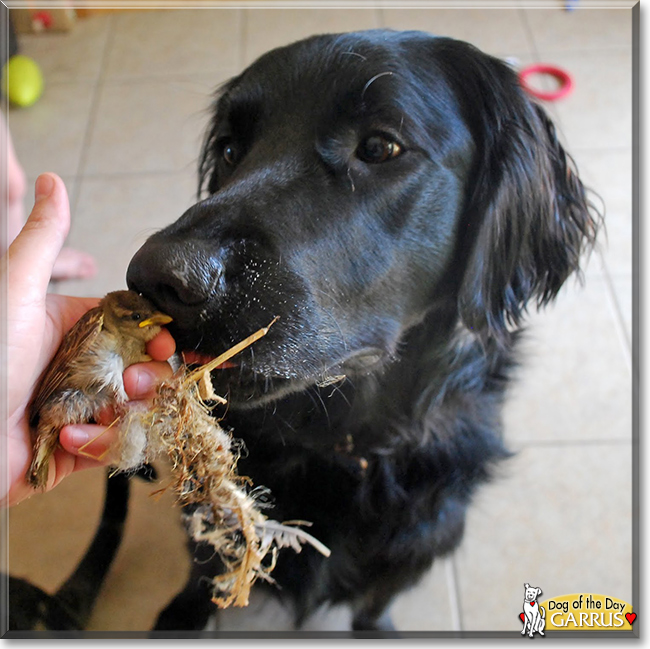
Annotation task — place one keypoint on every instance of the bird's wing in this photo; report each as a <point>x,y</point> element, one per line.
<point>76,342</point>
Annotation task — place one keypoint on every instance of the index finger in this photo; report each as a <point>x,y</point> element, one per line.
<point>162,346</point>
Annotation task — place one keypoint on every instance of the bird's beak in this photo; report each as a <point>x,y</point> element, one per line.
<point>155,319</point>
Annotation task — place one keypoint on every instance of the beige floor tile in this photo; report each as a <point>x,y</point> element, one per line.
<point>49,136</point>
<point>269,28</point>
<point>586,28</point>
<point>76,55</point>
<point>574,383</point>
<point>427,606</point>
<point>151,567</point>
<point>116,215</point>
<point>497,31</point>
<point>558,518</point>
<point>150,125</point>
<point>49,533</point>
<point>174,42</point>
<point>598,113</point>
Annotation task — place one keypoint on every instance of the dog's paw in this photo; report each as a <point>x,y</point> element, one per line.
<point>186,612</point>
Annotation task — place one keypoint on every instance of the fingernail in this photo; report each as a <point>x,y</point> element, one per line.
<point>44,186</point>
<point>79,437</point>
<point>144,383</point>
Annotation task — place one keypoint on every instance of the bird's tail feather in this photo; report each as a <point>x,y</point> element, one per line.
<point>43,448</point>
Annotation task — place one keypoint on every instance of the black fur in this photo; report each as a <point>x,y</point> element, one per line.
<point>409,276</point>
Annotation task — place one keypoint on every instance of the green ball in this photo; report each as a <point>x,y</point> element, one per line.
<point>22,80</point>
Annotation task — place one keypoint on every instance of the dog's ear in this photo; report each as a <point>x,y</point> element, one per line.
<point>527,219</point>
<point>210,153</point>
<point>526,585</point>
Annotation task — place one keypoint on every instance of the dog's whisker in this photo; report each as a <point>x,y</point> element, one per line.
<point>198,344</point>
<point>377,76</point>
<point>351,180</point>
<point>363,58</point>
<point>341,336</point>
<point>315,403</point>
<point>325,409</point>
<point>337,389</point>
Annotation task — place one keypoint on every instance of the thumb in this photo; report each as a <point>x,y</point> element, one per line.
<point>32,254</point>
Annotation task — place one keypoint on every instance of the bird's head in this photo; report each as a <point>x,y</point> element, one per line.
<point>132,315</point>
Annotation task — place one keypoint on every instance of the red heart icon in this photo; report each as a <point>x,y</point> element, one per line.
<point>521,616</point>
<point>630,617</point>
<point>532,603</point>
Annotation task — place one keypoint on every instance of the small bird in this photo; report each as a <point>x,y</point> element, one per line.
<point>85,375</point>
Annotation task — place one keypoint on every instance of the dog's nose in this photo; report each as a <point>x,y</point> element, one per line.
<point>180,277</point>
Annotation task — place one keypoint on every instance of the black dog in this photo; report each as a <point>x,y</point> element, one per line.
<point>398,201</point>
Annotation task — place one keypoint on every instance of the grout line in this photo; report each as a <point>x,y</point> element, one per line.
<point>454,598</point>
<point>623,148</point>
<point>549,107</point>
<point>144,173</point>
<point>619,321</point>
<point>92,113</point>
<point>180,77</point>
<point>523,16</point>
<point>588,50</point>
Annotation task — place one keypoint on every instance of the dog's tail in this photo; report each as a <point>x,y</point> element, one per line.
<point>70,608</point>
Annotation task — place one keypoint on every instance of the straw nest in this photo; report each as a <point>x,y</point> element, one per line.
<point>225,507</point>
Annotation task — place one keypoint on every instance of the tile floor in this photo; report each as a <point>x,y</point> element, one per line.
<point>121,121</point>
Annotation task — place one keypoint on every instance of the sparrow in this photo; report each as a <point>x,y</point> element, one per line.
<point>85,375</point>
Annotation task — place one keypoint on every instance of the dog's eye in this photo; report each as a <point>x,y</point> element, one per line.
<point>230,154</point>
<point>378,148</point>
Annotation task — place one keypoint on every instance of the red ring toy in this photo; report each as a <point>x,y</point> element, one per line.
<point>565,79</point>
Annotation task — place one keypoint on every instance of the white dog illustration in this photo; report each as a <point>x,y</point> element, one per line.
<point>534,614</point>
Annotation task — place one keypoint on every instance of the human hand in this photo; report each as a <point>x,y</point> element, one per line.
<point>36,324</point>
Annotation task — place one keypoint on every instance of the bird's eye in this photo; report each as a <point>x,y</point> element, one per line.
<point>378,148</point>
<point>135,317</point>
